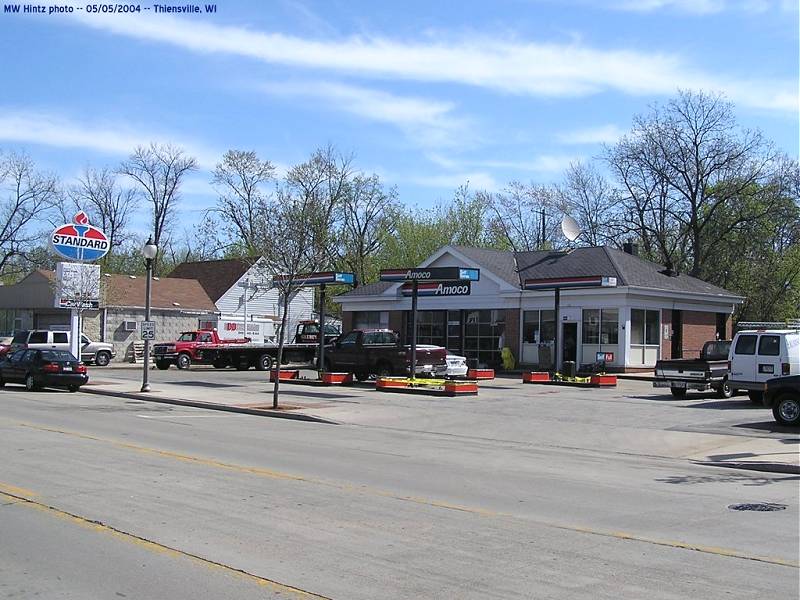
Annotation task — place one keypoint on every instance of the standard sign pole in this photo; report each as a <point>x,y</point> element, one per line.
<point>321,361</point>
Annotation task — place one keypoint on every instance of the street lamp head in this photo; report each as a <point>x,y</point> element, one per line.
<point>149,250</point>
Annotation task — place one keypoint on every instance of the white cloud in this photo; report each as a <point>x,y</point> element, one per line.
<point>48,129</point>
<point>602,134</point>
<point>705,7</point>
<point>506,65</point>
<point>427,122</point>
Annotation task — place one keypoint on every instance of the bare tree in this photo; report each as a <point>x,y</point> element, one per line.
<point>527,216</point>
<point>592,201</point>
<point>369,220</point>
<point>109,206</point>
<point>27,195</point>
<point>238,179</point>
<point>323,181</point>
<point>287,240</point>
<point>159,170</point>
<point>687,160</point>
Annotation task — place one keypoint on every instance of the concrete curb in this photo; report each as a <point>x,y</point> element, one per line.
<point>766,467</point>
<point>211,406</point>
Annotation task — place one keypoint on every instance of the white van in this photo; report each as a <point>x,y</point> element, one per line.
<point>761,352</point>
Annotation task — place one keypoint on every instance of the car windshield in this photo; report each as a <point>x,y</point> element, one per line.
<point>57,356</point>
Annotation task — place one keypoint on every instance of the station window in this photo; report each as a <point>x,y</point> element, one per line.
<point>538,326</point>
<point>600,326</point>
<point>645,326</point>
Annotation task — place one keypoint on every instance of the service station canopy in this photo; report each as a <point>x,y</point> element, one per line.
<point>431,274</point>
<point>569,282</point>
<point>322,278</point>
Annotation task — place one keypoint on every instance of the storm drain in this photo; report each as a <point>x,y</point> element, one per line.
<point>758,506</point>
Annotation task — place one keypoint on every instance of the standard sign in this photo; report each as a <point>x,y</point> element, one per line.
<point>438,288</point>
<point>79,240</point>
<point>77,286</point>
<point>148,330</point>
<point>431,274</point>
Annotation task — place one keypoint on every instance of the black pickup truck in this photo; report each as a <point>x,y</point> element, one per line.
<point>366,352</point>
<point>782,394</point>
<point>709,372</point>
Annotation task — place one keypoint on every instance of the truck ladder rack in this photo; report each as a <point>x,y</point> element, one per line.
<point>787,324</point>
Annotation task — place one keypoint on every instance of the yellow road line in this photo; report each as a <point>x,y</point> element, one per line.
<point>269,473</point>
<point>272,586</point>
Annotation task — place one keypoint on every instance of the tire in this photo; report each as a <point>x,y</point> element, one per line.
<point>264,363</point>
<point>678,392</point>
<point>220,363</point>
<point>2,382</point>
<point>101,359</point>
<point>725,390</point>
<point>162,365</point>
<point>242,363</point>
<point>361,375</point>
<point>30,383</point>
<point>756,397</point>
<point>184,361</point>
<point>73,388</point>
<point>787,410</point>
<point>383,369</point>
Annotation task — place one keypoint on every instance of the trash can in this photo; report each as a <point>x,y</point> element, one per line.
<point>570,368</point>
<point>545,357</point>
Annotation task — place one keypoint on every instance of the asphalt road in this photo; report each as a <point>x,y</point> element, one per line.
<point>103,498</point>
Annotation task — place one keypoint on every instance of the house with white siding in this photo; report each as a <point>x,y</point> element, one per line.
<point>240,290</point>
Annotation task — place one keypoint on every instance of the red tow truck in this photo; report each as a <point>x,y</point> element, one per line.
<point>204,346</point>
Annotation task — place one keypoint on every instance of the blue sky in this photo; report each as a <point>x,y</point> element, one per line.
<point>429,95</point>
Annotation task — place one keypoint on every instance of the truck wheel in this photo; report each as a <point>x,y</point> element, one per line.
<point>101,359</point>
<point>383,369</point>
<point>162,365</point>
<point>725,390</point>
<point>678,392</point>
<point>242,363</point>
<point>264,363</point>
<point>756,397</point>
<point>787,410</point>
<point>30,383</point>
<point>220,363</point>
<point>184,361</point>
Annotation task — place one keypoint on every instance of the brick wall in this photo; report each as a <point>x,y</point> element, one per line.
<point>666,344</point>
<point>698,328</point>
<point>512,332</point>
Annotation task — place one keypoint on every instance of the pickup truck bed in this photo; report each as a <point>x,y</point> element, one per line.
<point>709,372</point>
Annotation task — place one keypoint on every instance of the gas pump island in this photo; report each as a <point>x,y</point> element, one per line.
<point>428,281</point>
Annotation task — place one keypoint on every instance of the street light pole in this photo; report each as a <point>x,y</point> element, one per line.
<point>149,252</point>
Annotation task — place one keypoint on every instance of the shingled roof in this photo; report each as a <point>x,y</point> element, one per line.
<point>216,276</point>
<point>605,261</point>
<point>122,291</point>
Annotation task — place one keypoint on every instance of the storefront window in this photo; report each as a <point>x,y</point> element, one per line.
<point>484,336</point>
<point>538,326</point>
<point>645,327</point>
<point>609,326</point>
<point>591,326</point>
<point>431,327</point>
<point>369,319</point>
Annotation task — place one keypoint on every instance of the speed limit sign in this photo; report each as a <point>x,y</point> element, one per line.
<point>148,330</point>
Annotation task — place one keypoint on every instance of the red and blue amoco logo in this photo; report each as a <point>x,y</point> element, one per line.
<point>79,240</point>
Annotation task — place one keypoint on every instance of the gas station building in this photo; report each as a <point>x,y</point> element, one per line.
<point>651,313</point>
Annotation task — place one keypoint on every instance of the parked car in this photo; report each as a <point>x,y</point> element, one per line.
<point>36,369</point>
<point>709,372</point>
<point>5,345</point>
<point>762,353</point>
<point>99,353</point>
<point>366,352</point>
<point>782,395</point>
<point>456,366</point>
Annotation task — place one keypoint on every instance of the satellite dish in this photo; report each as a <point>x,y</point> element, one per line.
<point>570,228</point>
